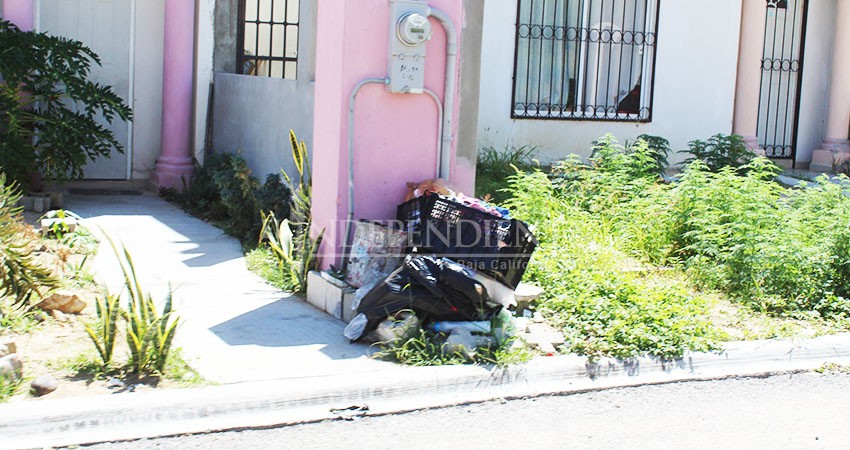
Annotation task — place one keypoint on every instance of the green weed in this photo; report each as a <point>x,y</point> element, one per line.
<point>178,369</point>
<point>625,258</point>
<point>494,166</point>
<point>719,151</point>
<point>8,388</point>
<point>263,262</point>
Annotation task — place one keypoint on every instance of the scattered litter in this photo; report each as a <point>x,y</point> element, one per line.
<point>113,382</point>
<point>374,253</point>
<point>435,289</point>
<point>460,273</point>
<point>481,326</point>
<point>401,326</point>
<point>351,412</point>
<point>463,342</point>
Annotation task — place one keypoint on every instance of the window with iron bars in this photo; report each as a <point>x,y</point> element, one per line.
<point>268,37</point>
<point>584,59</point>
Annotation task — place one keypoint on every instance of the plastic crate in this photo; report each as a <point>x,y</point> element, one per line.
<point>484,242</point>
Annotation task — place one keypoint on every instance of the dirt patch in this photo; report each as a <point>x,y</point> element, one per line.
<point>61,348</point>
<point>57,344</point>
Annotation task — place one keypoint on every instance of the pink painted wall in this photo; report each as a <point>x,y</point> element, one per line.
<point>395,135</point>
<point>20,12</point>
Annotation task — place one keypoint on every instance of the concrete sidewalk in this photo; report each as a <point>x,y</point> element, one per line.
<point>236,328</point>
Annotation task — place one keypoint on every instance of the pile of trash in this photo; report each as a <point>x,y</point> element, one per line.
<point>450,264</point>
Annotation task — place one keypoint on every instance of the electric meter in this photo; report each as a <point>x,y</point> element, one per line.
<point>409,30</point>
<point>413,29</point>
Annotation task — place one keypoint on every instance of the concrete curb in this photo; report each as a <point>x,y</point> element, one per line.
<point>288,401</point>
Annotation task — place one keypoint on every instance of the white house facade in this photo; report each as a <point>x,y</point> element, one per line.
<point>558,74</point>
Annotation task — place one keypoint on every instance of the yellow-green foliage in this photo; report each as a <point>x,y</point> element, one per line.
<point>20,276</point>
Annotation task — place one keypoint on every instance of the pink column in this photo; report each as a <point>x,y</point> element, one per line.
<point>836,147</point>
<point>750,51</point>
<point>175,161</point>
<point>20,13</point>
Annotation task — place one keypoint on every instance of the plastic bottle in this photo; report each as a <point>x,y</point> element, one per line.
<point>473,327</point>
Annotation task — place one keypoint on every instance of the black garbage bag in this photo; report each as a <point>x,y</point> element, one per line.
<point>436,289</point>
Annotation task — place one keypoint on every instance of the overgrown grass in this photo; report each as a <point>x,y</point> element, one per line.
<point>628,263</point>
<point>494,166</point>
<point>606,301</point>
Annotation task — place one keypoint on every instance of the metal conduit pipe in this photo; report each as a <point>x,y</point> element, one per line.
<point>440,114</point>
<point>345,239</point>
<point>449,90</point>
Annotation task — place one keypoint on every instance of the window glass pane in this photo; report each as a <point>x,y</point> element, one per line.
<point>265,10</point>
<point>279,13</point>
<point>250,10</point>
<point>291,41</point>
<point>277,41</point>
<point>277,69</point>
<point>292,11</point>
<point>289,70</point>
<point>264,35</point>
<point>251,38</point>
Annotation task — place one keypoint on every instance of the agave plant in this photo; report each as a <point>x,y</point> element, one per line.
<point>149,333</point>
<point>104,331</point>
<point>290,241</point>
<point>20,276</point>
<point>296,253</point>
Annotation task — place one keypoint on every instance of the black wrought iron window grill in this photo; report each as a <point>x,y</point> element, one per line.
<point>585,59</point>
<point>268,38</point>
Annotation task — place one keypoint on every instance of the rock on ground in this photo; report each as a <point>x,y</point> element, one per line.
<point>7,347</point>
<point>44,385</point>
<point>11,368</point>
<point>66,302</point>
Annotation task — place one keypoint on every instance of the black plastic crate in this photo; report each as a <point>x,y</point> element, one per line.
<point>487,243</point>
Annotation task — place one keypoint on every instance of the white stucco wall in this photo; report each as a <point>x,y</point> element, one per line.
<point>694,82</point>
<point>204,45</point>
<point>147,86</point>
<point>814,96</point>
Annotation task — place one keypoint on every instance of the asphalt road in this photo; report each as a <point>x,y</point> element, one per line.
<point>796,411</point>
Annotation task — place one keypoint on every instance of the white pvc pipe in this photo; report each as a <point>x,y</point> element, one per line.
<point>345,244</point>
<point>445,150</point>
<point>440,113</point>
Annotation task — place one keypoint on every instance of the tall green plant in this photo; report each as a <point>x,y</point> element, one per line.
<point>149,333</point>
<point>49,110</point>
<point>289,240</point>
<point>296,254</point>
<point>302,191</point>
<point>719,151</point>
<point>20,276</point>
<point>105,330</point>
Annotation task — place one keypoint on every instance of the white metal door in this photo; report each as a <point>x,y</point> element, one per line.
<point>105,27</point>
